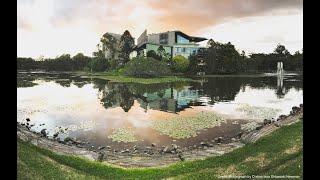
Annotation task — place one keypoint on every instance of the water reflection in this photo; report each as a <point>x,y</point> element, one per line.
<point>169,97</point>
<point>93,108</point>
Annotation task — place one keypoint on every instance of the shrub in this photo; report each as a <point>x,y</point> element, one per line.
<point>180,63</point>
<point>154,55</point>
<point>146,67</point>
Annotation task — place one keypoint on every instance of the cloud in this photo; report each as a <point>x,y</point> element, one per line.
<point>92,18</point>
<point>190,15</point>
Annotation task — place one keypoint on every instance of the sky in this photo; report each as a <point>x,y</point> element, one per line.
<point>50,28</point>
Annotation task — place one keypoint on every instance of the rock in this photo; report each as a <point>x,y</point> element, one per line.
<point>277,124</point>
<point>27,119</point>
<point>79,146</point>
<point>266,121</point>
<point>282,117</point>
<point>181,157</point>
<point>166,149</point>
<point>203,143</point>
<point>233,139</point>
<point>55,134</point>
<point>205,147</point>
<point>259,127</point>
<point>295,109</point>
<point>175,147</point>
<point>108,147</point>
<point>148,148</point>
<point>153,144</point>
<point>100,156</point>
<point>219,139</point>
<point>27,124</point>
<point>101,147</point>
<point>59,140</point>
<point>43,132</point>
<point>210,145</point>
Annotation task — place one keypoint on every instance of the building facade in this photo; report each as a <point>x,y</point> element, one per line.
<point>173,42</point>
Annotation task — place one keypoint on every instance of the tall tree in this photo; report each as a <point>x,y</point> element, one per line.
<point>109,44</point>
<point>126,45</point>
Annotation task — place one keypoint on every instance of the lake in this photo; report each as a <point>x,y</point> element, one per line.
<point>104,113</point>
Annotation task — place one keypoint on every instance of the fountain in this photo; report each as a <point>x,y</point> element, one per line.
<point>280,74</point>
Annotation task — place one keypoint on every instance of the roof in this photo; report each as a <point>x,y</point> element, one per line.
<point>191,38</point>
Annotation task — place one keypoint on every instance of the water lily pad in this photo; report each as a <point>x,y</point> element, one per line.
<point>258,112</point>
<point>249,126</point>
<point>186,127</point>
<point>123,135</point>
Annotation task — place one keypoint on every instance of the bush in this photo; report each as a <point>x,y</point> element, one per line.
<point>98,64</point>
<point>146,67</point>
<point>154,55</point>
<point>180,63</point>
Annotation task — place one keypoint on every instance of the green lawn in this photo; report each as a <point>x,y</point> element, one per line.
<point>280,154</point>
<point>127,79</point>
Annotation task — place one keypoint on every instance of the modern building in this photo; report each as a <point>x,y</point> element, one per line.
<point>173,42</point>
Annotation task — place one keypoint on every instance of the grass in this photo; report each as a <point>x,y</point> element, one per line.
<point>279,153</point>
<point>114,77</point>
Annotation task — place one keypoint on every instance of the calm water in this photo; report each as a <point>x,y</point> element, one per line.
<point>102,112</point>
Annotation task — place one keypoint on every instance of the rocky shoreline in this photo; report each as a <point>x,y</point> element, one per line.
<point>154,155</point>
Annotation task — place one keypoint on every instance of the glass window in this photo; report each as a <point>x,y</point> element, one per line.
<point>163,38</point>
<point>181,39</point>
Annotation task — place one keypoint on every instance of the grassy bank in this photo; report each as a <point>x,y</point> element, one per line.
<point>277,154</point>
<point>114,77</point>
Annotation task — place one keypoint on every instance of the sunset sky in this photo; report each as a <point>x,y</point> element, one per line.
<point>54,27</point>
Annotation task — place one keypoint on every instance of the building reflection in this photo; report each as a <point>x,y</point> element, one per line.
<point>175,97</point>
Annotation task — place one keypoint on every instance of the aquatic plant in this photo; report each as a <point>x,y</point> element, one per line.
<point>123,135</point>
<point>249,126</point>
<point>186,127</point>
<point>258,112</point>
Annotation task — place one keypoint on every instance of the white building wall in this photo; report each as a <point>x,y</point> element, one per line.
<point>154,38</point>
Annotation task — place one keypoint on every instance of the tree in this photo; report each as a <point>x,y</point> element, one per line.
<point>98,64</point>
<point>180,63</point>
<point>161,51</point>
<point>80,61</point>
<point>280,49</point>
<point>126,45</point>
<point>109,43</point>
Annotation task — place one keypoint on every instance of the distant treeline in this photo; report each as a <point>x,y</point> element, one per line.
<point>218,58</point>
<point>224,58</point>
<point>64,62</point>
